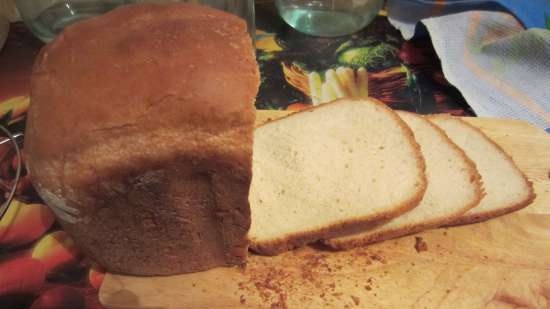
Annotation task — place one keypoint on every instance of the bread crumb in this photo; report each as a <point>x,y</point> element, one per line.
<point>242,300</point>
<point>281,304</point>
<point>420,245</point>
<point>356,300</point>
<point>378,257</point>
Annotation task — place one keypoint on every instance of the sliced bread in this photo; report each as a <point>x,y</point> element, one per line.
<point>454,187</point>
<point>506,188</point>
<point>329,170</point>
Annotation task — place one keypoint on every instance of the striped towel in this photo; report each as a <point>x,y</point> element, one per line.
<point>496,53</point>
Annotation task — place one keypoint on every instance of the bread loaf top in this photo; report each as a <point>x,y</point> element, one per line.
<point>144,82</point>
<point>140,76</point>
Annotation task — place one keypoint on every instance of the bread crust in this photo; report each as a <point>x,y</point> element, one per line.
<point>466,218</point>
<point>296,240</point>
<point>343,244</point>
<point>139,136</point>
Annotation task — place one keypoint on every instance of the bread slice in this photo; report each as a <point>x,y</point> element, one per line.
<point>327,170</point>
<point>506,188</point>
<point>454,187</point>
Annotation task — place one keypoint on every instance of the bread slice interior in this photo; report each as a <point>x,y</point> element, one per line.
<point>506,188</point>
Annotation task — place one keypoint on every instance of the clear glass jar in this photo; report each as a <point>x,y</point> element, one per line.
<point>47,18</point>
<point>328,17</point>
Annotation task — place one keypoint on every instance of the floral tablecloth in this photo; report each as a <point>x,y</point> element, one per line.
<point>41,267</point>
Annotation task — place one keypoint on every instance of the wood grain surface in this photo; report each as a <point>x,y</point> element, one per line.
<point>501,263</point>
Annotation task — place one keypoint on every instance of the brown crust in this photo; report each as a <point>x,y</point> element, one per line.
<point>296,240</point>
<point>342,244</point>
<point>467,219</point>
<point>127,130</point>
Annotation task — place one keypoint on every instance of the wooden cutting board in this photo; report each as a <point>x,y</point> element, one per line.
<point>502,263</point>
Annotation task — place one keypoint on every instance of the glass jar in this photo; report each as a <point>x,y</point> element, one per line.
<point>47,18</point>
<point>328,17</point>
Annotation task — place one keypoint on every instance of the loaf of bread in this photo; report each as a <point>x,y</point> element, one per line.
<point>329,171</point>
<point>139,136</point>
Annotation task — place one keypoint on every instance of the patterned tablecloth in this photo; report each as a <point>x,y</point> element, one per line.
<point>41,267</point>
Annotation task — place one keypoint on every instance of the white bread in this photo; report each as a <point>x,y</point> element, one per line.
<point>506,188</point>
<point>330,170</point>
<point>454,187</point>
<point>139,136</point>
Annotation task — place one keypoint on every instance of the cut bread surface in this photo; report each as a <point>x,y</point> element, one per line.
<point>327,171</point>
<point>506,188</point>
<point>454,187</point>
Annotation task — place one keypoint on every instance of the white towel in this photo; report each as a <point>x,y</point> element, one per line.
<point>501,69</point>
